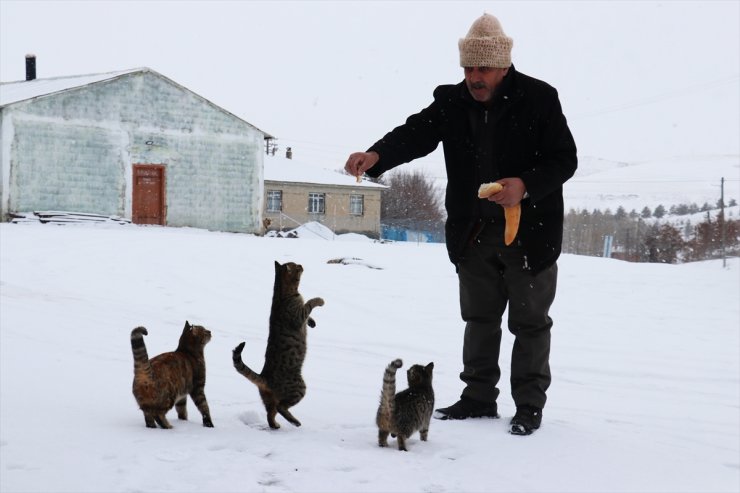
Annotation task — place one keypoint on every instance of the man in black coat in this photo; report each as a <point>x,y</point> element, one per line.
<point>497,125</point>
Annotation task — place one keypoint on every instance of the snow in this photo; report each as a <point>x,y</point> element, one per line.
<point>645,360</point>
<point>13,92</point>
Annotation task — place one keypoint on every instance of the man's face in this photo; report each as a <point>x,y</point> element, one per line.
<point>482,81</point>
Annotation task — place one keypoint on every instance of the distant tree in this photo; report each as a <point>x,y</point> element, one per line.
<point>663,244</point>
<point>637,239</point>
<point>411,201</point>
<point>659,211</point>
<point>704,241</point>
<point>732,203</point>
<point>650,244</point>
<point>671,243</point>
<point>706,207</point>
<point>693,208</point>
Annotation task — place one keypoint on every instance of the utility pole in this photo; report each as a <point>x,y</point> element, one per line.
<point>722,220</point>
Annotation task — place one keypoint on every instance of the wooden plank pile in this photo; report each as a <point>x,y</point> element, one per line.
<point>65,217</point>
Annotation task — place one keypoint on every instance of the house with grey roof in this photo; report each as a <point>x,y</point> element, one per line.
<point>298,191</point>
<point>133,144</point>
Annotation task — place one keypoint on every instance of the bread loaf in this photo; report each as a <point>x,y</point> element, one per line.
<point>488,189</point>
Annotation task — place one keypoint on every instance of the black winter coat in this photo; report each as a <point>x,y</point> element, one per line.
<point>524,134</point>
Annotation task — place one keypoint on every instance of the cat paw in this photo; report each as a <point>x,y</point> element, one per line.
<point>207,423</point>
<point>311,322</point>
<point>238,350</point>
<point>398,363</point>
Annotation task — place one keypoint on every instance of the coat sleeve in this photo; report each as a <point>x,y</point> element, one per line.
<point>558,156</point>
<point>416,138</point>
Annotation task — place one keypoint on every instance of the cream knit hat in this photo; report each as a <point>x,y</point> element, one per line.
<point>486,44</point>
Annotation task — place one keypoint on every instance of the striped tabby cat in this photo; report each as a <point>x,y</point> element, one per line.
<point>166,380</point>
<point>280,383</point>
<point>401,414</point>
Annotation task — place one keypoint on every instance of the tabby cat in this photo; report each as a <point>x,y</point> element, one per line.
<point>280,383</point>
<point>400,415</point>
<point>167,379</point>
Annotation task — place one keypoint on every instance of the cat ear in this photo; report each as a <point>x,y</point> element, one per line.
<point>429,367</point>
<point>187,326</point>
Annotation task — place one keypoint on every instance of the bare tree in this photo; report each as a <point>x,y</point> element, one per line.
<point>411,201</point>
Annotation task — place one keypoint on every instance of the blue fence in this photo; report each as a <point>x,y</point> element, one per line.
<point>402,234</point>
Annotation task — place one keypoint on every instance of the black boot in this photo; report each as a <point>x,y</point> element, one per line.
<point>526,420</point>
<point>467,408</point>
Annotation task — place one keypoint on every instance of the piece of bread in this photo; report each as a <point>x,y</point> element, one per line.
<point>512,214</point>
<point>488,189</point>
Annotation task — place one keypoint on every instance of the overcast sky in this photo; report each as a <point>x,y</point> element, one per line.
<point>637,80</point>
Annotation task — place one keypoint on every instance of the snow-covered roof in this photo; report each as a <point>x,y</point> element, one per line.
<point>282,169</point>
<point>13,92</point>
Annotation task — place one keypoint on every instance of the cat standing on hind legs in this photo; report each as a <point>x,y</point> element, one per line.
<point>280,382</point>
<point>166,380</point>
<point>401,414</point>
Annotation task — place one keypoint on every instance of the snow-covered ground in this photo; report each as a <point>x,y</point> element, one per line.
<point>645,359</point>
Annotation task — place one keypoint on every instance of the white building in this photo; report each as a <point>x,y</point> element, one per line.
<point>133,144</point>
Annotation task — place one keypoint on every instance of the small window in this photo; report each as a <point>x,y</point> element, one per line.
<point>356,205</point>
<point>274,200</point>
<point>316,203</point>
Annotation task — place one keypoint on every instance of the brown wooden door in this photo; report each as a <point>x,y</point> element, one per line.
<point>148,205</point>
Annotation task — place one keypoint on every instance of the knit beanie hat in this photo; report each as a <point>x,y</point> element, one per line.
<point>486,44</point>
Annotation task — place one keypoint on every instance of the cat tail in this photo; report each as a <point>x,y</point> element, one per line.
<point>387,396</point>
<point>239,365</point>
<point>141,357</point>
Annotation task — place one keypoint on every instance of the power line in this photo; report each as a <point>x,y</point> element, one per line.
<point>657,98</point>
<point>576,180</point>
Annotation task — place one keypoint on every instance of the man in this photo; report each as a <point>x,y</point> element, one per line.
<point>497,125</point>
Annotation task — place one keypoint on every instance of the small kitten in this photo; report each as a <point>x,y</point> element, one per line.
<point>280,383</point>
<point>167,379</point>
<point>400,415</point>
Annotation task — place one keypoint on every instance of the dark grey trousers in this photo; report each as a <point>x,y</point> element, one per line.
<point>491,276</point>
